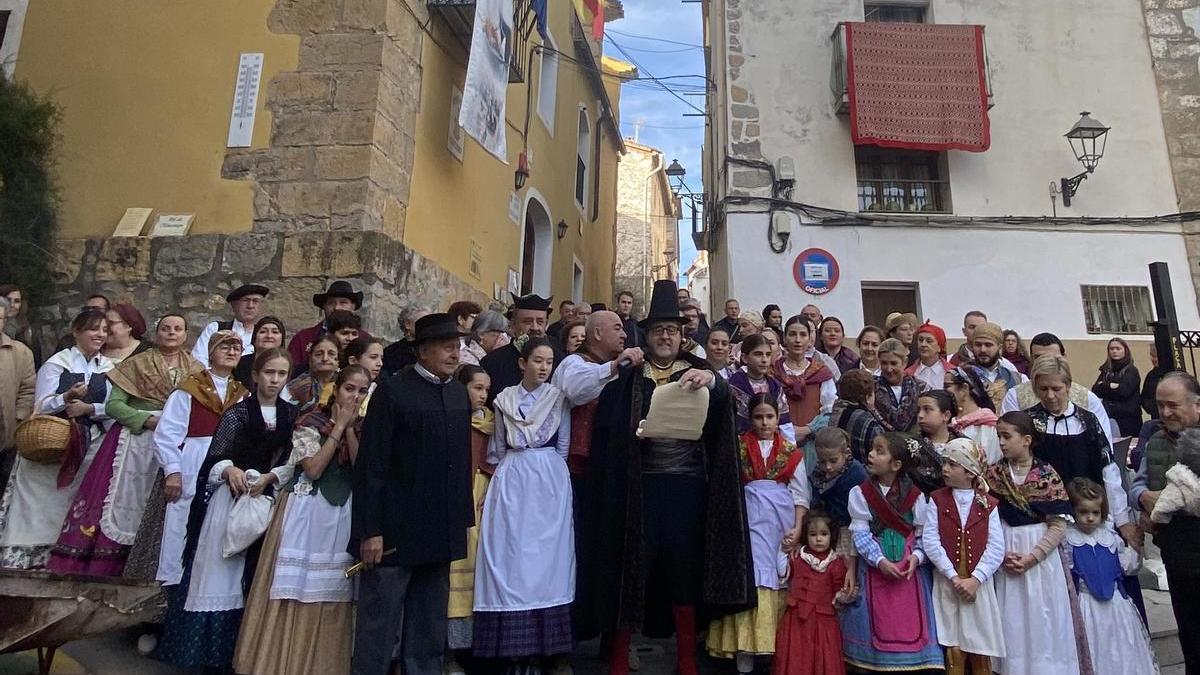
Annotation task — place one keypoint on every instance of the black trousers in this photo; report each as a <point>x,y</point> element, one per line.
<point>408,603</point>
<point>1183,578</point>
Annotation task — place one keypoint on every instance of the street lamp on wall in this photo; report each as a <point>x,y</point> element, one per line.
<point>561,228</point>
<point>522,172</point>
<point>1088,139</point>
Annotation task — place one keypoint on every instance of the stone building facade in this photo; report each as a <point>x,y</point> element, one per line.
<point>647,224</point>
<point>786,182</point>
<point>350,174</point>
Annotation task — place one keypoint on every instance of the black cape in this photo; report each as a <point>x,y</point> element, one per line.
<point>612,589</point>
<point>412,478</point>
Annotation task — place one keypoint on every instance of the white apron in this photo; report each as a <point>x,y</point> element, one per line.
<point>170,557</point>
<point>1039,634</point>
<point>135,469</point>
<point>312,561</point>
<point>526,555</point>
<point>770,513</point>
<point>216,583</point>
<point>974,627</point>
<point>34,509</point>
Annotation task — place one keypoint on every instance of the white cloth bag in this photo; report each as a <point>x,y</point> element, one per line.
<point>248,520</point>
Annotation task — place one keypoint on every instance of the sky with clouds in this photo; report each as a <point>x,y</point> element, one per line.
<point>663,38</point>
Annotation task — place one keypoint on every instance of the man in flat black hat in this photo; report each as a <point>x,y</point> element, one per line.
<point>339,296</point>
<point>664,539</point>
<point>412,505</point>
<point>246,302</point>
<point>527,318</point>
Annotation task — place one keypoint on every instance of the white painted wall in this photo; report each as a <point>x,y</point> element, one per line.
<point>1026,279</point>
<point>1050,59</point>
<point>12,36</point>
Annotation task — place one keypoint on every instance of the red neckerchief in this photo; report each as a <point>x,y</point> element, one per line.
<point>773,467</point>
<point>889,513</point>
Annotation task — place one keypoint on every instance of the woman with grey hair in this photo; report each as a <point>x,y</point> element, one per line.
<point>486,334</point>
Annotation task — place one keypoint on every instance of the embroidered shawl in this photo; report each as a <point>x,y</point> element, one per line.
<point>982,417</point>
<point>148,377</point>
<point>780,465</point>
<point>1040,495</point>
<point>898,414</point>
<point>485,423</point>
<point>202,390</point>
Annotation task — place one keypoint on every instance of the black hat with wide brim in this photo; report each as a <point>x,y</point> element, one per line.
<point>440,326</point>
<point>664,305</point>
<point>247,289</point>
<point>339,289</point>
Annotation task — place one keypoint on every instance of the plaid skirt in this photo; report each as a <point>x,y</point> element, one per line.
<point>533,632</point>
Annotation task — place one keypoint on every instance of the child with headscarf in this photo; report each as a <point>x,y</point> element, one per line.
<point>965,544</point>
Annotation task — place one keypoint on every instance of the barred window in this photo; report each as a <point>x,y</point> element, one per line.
<point>894,13</point>
<point>1117,309</point>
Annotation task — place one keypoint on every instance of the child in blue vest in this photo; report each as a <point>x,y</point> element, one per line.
<point>1098,559</point>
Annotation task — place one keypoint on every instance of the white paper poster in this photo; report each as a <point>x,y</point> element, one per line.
<point>245,100</point>
<point>514,208</point>
<point>482,114</point>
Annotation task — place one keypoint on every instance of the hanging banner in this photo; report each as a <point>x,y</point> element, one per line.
<point>482,113</point>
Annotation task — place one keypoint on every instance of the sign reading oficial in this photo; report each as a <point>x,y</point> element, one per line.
<point>816,271</point>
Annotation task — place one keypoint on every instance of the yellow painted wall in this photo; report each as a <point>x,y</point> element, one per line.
<point>146,90</point>
<point>454,202</point>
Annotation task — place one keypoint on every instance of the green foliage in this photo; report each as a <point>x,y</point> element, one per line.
<point>29,197</point>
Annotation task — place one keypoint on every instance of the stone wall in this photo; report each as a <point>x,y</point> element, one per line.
<point>744,119</point>
<point>330,191</point>
<point>192,275</point>
<point>1173,27</point>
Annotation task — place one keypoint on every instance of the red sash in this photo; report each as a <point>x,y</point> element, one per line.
<point>883,510</point>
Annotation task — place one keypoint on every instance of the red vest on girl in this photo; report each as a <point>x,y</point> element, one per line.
<point>966,544</point>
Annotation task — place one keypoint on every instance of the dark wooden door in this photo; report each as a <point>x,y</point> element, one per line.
<point>879,301</point>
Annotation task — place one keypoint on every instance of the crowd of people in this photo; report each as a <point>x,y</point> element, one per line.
<point>494,488</point>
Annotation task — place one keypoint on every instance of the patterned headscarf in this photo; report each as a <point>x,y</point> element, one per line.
<point>965,453</point>
<point>219,338</point>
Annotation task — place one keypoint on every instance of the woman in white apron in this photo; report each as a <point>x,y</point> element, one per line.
<point>72,384</point>
<point>525,566</point>
<point>181,441</point>
<point>246,459</point>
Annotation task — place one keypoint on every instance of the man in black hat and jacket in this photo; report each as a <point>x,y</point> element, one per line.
<point>246,302</point>
<point>664,539</point>
<point>339,296</point>
<point>412,505</point>
<point>527,318</point>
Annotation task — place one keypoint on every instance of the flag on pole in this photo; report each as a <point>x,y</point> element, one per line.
<point>593,10</point>
<point>539,10</point>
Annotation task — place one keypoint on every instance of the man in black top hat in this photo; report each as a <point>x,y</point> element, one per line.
<point>663,527</point>
<point>246,302</point>
<point>339,296</point>
<point>412,505</point>
<point>526,319</point>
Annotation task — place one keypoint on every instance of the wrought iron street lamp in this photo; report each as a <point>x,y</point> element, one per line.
<point>561,228</point>
<point>1088,139</point>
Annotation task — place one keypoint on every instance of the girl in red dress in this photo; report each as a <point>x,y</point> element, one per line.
<point>809,641</point>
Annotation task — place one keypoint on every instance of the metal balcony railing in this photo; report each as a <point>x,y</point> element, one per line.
<point>903,196</point>
<point>459,15</point>
<point>839,80</point>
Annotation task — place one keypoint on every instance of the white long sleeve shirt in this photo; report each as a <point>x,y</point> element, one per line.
<point>581,380</point>
<point>931,540</point>
<point>47,401</point>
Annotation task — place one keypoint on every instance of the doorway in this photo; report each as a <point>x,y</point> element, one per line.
<point>880,298</point>
<point>536,248</point>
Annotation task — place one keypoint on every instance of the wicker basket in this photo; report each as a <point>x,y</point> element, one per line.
<point>43,439</point>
